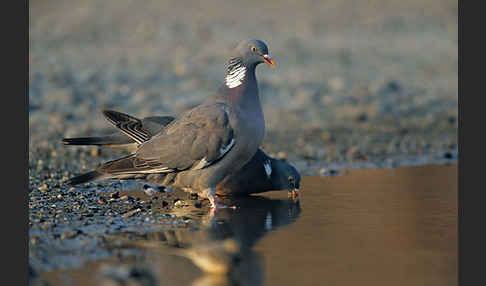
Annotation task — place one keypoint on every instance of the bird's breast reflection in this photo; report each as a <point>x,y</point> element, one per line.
<point>222,247</point>
<point>226,249</point>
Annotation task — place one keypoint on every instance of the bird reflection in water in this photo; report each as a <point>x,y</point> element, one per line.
<point>222,248</point>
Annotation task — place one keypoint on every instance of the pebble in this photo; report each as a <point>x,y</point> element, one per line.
<point>328,172</point>
<point>131,213</point>
<point>102,200</point>
<point>95,152</point>
<point>34,239</point>
<point>150,191</point>
<point>43,188</point>
<point>70,234</point>
<point>115,195</point>
<point>355,153</point>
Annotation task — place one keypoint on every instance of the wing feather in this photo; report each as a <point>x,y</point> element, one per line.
<point>196,140</point>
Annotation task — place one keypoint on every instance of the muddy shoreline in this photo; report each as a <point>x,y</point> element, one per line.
<point>116,231</point>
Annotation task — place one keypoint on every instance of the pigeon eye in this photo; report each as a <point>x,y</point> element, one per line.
<point>253,49</point>
<point>291,179</point>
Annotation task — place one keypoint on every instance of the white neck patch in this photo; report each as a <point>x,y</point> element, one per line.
<point>268,168</point>
<point>235,77</point>
<point>268,221</point>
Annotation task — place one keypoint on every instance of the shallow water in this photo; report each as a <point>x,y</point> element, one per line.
<point>367,227</point>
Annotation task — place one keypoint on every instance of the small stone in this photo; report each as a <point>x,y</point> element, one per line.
<point>328,172</point>
<point>125,198</point>
<point>178,203</point>
<point>162,189</point>
<point>43,188</point>
<point>194,196</point>
<point>34,239</point>
<point>355,153</point>
<point>150,191</point>
<point>131,213</point>
<point>164,203</point>
<point>102,200</point>
<point>70,234</point>
<point>115,195</point>
<point>59,197</point>
<point>95,152</point>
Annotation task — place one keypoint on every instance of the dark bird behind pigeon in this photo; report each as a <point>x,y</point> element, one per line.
<point>262,173</point>
<point>208,144</point>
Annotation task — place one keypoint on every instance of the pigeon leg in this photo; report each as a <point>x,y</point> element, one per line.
<point>210,194</point>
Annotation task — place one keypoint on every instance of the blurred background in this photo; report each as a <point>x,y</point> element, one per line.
<point>356,81</point>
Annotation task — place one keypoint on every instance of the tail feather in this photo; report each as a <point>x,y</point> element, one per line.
<point>84,178</point>
<point>117,139</point>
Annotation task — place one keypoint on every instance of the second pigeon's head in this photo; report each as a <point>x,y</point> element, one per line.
<point>283,176</point>
<point>253,52</point>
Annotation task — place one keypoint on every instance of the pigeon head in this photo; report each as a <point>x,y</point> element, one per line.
<point>283,176</point>
<point>253,52</point>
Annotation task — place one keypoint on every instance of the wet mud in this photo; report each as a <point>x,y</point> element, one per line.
<point>367,226</point>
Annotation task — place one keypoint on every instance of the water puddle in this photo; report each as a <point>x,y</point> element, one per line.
<point>368,227</point>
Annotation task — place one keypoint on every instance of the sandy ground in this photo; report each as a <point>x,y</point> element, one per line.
<point>358,83</point>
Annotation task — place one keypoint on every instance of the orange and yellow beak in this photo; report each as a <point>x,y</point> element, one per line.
<point>294,193</point>
<point>269,61</point>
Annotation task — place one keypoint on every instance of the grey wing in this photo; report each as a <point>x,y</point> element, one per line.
<point>155,124</point>
<point>196,140</point>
